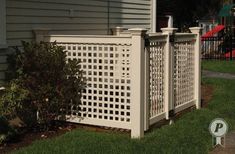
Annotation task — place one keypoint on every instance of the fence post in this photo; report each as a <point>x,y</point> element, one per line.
<point>197,87</point>
<point>168,71</point>
<point>231,46</point>
<point>137,82</point>
<point>118,30</point>
<point>147,86</point>
<point>40,33</point>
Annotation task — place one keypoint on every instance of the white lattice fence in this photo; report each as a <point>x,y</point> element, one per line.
<point>107,69</point>
<point>184,71</point>
<point>174,73</point>
<point>112,67</point>
<point>131,85</point>
<point>156,49</point>
<point>106,65</point>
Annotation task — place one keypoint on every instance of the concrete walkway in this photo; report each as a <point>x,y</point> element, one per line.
<point>229,145</point>
<point>211,74</point>
<point>230,137</point>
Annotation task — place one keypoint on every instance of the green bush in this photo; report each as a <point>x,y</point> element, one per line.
<point>46,83</point>
<point>12,97</point>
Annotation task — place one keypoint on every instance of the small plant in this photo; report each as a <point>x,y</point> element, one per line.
<point>45,81</point>
<point>12,97</point>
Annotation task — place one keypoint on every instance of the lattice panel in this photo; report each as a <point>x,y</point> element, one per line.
<point>183,72</point>
<point>107,69</point>
<point>156,78</point>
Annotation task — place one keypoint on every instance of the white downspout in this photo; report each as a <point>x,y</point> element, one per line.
<point>170,21</point>
<point>154,16</point>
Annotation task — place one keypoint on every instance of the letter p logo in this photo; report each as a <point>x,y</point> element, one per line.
<point>218,126</point>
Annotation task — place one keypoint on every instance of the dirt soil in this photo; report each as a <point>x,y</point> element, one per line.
<point>207,93</point>
<point>29,137</point>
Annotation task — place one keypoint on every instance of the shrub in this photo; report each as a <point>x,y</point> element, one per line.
<point>12,97</point>
<point>48,83</point>
<point>6,131</point>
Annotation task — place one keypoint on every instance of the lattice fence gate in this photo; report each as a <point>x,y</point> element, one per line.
<point>134,79</point>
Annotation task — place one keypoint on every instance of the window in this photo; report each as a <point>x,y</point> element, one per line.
<point>2,23</point>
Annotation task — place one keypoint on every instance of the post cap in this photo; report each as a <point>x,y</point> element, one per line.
<point>169,30</point>
<point>137,31</point>
<point>41,31</point>
<point>195,30</point>
<point>117,30</point>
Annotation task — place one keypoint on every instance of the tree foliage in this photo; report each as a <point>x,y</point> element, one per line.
<point>187,12</point>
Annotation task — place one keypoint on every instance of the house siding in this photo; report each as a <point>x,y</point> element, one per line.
<point>83,17</point>
<point>2,23</point>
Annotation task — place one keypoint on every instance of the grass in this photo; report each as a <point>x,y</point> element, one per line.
<point>189,134</point>
<point>219,66</point>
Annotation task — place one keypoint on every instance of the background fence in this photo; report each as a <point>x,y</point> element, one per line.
<point>218,47</point>
<point>134,79</point>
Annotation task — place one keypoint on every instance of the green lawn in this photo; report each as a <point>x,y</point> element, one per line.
<point>189,134</point>
<point>219,66</point>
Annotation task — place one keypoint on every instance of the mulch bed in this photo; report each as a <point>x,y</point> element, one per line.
<point>28,137</point>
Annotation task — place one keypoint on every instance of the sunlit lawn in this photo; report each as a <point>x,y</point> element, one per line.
<point>219,66</point>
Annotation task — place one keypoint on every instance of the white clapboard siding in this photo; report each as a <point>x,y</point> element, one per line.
<point>84,17</point>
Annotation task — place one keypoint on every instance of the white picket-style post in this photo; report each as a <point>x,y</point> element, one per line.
<point>197,61</point>
<point>168,87</point>
<point>137,82</point>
